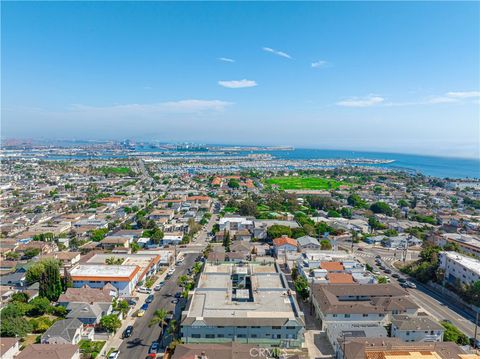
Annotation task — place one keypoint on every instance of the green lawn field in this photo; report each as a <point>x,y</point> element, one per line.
<point>312,183</point>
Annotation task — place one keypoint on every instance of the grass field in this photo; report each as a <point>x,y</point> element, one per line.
<point>116,170</point>
<point>312,183</point>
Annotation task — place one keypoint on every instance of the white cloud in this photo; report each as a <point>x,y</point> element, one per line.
<point>226,59</point>
<point>368,101</point>
<point>320,64</point>
<point>464,94</point>
<point>438,99</point>
<point>237,84</point>
<point>276,52</point>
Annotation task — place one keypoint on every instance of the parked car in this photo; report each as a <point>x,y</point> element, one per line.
<point>376,272</point>
<point>169,318</point>
<point>178,295</point>
<point>401,280</point>
<point>114,354</point>
<point>153,348</point>
<point>127,332</point>
<point>404,285</point>
<point>131,302</point>
<point>474,342</point>
<point>378,256</point>
<point>175,301</point>
<point>411,285</point>
<point>149,299</point>
<point>140,313</point>
<point>157,287</point>
<point>396,275</point>
<point>144,306</point>
<point>144,290</point>
<point>388,271</point>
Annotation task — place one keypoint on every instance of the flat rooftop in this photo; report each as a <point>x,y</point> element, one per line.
<point>99,271</point>
<point>470,263</point>
<point>212,302</point>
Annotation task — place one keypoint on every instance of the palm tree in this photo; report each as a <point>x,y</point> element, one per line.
<point>159,318</point>
<point>172,327</point>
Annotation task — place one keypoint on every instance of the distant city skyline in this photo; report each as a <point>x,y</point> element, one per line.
<point>364,76</point>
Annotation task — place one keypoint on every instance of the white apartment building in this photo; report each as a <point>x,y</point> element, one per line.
<point>459,267</point>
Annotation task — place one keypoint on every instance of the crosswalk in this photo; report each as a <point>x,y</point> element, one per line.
<point>389,258</point>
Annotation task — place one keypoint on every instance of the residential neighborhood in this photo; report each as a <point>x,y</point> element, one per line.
<point>117,259</point>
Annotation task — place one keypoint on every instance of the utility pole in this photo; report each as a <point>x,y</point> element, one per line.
<point>475,334</point>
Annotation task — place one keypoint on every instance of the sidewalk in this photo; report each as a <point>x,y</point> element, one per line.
<point>116,340</point>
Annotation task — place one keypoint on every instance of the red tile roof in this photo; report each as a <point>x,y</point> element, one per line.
<point>332,266</point>
<point>281,241</point>
<point>340,278</point>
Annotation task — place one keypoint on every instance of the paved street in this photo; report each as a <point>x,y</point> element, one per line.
<point>433,303</point>
<point>137,345</point>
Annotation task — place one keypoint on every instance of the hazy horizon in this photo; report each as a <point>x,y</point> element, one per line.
<point>320,75</point>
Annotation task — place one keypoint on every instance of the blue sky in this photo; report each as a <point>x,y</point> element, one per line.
<point>380,76</point>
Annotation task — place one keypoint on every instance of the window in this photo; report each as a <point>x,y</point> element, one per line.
<point>290,328</point>
<point>210,336</point>
<point>276,328</point>
<point>220,326</point>
<point>365,315</point>
<point>255,327</point>
<point>241,327</point>
<point>241,336</point>
<point>254,335</point>
<point>334,315</point>
<point>347,315</point>
<point>196,336</point>
<point>220,336</point>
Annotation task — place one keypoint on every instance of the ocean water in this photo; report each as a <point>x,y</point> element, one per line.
<point>443,167</point>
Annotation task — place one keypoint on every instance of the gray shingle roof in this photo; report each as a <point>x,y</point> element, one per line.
<point>65,328</point>
<point>306,240</point>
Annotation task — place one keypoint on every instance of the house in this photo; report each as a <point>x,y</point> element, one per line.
<point>112,242</point>
<point>86,294</point>
<point>9,348</point>
<point>16,279</point>
<point>201,201</point>
<point>172,238</point>
<point>283,245</point>
<point>394,348</point>
<point>416,329</point>
<point>43,247</point>
<point>50,351</point>
<point>307,243</point>
<point>66,331</point>
<point>6,293</point>
<point>88,313</point>
<point>235,223</point>
<point>243,235</point>
<point>359,303</point>
<point>7,266</point>
<point>67,259</point>
<point>337,331</point>
<point>158,214</point>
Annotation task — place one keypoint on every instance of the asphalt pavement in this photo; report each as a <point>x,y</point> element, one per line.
<point>142,337</point>
<point>431,302</point>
